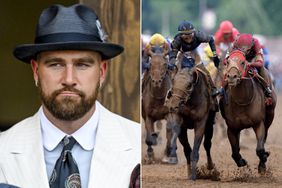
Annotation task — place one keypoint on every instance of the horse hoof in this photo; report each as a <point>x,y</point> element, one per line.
<point>210,166</point>
<point>170,160</point>
<point>193,176</point>
<point>261,168</point>
<point>241,162</point>
<point>154,139</point>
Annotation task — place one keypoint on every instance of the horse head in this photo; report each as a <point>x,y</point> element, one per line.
<point>158,66</point>
<point>237,68</point>
<point>182,88</point>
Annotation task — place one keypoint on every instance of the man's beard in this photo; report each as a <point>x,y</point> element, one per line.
<point>68,108</point>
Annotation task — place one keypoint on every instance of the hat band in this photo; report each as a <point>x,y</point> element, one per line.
<point>66,37</point>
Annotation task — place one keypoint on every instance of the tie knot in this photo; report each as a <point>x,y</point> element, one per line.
<point>68,143</point>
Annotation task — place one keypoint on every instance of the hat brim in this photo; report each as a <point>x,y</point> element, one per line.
<point>27,52</point>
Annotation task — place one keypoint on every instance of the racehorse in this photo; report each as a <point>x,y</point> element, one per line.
<point>189,105</point>
<point>154,89</point>
<point>244,107</point>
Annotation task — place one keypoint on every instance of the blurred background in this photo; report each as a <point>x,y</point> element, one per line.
<point>120,19</point>
<point>261,17</point>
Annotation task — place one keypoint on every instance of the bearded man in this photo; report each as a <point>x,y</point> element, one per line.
<point>72,141</point>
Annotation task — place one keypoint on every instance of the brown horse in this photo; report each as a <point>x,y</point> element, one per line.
<point>244,107</point>
<point>155,87</point>
<point>189,104</point>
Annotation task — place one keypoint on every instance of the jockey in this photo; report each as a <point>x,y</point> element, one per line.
<point>187,40</point>
<point>261,40</point>
<point>157,40</point>
<point>251,47</point>
<point>225,36</point>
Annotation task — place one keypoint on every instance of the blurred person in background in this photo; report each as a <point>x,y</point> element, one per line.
<point>224,38</point>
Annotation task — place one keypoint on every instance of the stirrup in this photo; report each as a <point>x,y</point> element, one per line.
<point>217,92</point>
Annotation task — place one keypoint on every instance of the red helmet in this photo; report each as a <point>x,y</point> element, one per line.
<point>235,31</point>
<point>244,42</point>
<point>226,26</point>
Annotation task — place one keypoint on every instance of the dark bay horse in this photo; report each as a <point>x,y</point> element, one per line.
<point>189,104</point>
<point>244,107</point>
<point>154,91</point>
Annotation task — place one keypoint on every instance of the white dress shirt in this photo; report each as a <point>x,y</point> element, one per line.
<point>82,150</point>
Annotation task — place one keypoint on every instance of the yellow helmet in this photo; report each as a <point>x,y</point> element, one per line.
<point>157,39</point>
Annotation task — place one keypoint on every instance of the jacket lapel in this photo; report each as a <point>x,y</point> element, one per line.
<point>25,165</point>
<point>110,163</point>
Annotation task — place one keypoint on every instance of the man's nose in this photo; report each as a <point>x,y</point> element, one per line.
<point>69,76</point>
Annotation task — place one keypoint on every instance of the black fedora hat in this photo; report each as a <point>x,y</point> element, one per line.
<point>68,28</point>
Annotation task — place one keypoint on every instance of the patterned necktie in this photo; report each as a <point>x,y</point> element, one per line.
<point>66,173</point>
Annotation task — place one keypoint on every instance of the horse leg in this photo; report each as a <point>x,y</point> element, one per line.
<point>208,138</point>
<point>199,130</point>
<point>170,151</point>
<point>168,141</point>
<point>186,148</point>
<point>234,137</point>
<point>151,139</point>
<point>173,145</point>
<point>261,153</point>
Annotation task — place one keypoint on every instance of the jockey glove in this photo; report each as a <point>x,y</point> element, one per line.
<point>171,66</point>
<point>145,66</point>
<point>215,61</point>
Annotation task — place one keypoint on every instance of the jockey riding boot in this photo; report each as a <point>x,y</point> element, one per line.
<point>213,99</point>
<point>268,95</point>
<point>264,81</point>
<point>263,76</point>
<point>212,88</point>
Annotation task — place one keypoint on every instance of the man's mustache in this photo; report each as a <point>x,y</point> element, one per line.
<point>69,88</point>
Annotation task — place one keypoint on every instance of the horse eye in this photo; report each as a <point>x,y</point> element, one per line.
<point>242,63</point>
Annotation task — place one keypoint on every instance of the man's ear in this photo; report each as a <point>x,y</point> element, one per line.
<point>34,66</point>
<point>103,71</point>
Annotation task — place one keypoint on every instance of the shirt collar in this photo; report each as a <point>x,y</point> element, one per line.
<point>85,136</point>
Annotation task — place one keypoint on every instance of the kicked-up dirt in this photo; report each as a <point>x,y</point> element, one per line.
<point>226,173</point>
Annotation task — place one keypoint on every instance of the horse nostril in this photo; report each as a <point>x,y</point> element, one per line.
<point>228,76</point>
<point>235,76</point>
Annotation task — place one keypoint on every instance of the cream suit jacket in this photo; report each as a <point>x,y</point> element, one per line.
<point>117,151</point>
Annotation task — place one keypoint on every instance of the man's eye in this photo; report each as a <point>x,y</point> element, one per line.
<point>82,65</point>
<point>55,65</point>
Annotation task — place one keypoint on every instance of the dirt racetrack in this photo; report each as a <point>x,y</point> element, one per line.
<point>161,175</point>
